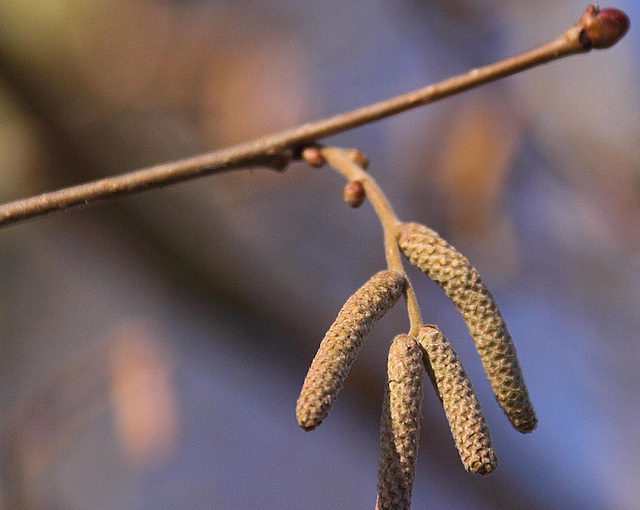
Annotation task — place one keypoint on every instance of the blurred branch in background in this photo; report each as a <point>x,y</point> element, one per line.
<point>39,430</point>
<point>128,380</point>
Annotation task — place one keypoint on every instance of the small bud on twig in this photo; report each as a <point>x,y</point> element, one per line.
<point>313,156</point>
<point>441,262</point>
<point>400,424</point>
<point>341,344</point>
<point>354,194</point>
<point>358,158</point>
<point>602,28</point>
<point>467,423</point>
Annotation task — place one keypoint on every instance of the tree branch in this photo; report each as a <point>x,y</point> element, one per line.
<point>596,29</point>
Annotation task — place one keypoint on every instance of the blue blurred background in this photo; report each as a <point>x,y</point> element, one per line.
<point>152,348</point>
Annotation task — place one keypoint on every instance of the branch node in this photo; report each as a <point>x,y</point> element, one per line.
<point>277,160</point>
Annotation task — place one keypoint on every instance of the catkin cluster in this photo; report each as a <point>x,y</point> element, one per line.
<point>409,357</point>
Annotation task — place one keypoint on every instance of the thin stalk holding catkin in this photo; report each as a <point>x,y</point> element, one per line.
<point>345,163</point>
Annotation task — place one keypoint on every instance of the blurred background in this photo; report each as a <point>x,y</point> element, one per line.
<point>152,348</point>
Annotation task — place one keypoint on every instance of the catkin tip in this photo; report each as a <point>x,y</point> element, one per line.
<point>526,425</point>
<point>341,344</point>
<point>307,414</point>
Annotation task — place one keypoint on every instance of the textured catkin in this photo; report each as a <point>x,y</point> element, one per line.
<point>461,406</point>
<point>341,344</point>
<point>400,424</point>
<point>441,262</point>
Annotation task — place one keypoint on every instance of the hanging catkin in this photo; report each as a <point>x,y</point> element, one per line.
<point>441,262</point>
<point>461,406</point>
<point>400,424</point>
<point>340,345</point>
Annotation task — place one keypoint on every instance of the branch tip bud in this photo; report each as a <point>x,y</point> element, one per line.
<point>602,28</point>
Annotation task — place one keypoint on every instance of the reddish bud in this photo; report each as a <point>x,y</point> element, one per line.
<point>603,28</point>
<point>354,193</point>
<point>358,158</point>
<point>313,156</point>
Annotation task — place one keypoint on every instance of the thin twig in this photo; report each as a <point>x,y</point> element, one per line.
<point>341,161</point>
<point>276,150</point>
